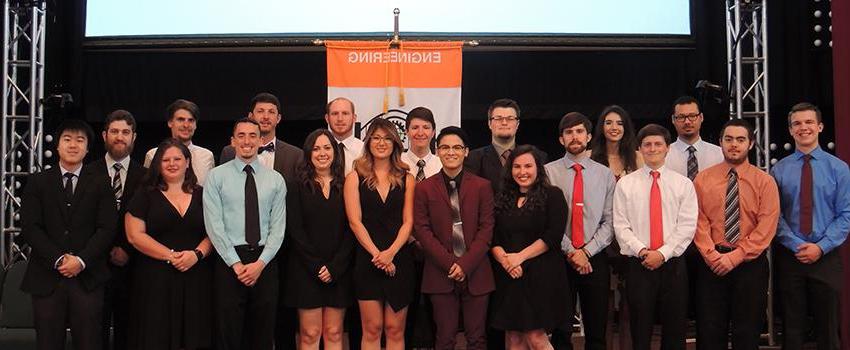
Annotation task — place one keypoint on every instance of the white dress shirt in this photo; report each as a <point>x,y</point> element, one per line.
<point>708,155</point>
<point>74,180</point>
<point>202,161</point>
<point>679,212</point>
<point>125,165</point>
<point>432,163</point>
<point>267,158</point>
<point>353,148</point>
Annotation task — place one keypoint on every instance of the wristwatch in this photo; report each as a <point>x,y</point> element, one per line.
<point>199,254</point>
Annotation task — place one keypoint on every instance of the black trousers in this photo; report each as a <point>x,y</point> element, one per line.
<point>419,328</point>
<point>116,307</point>
<point>739,297</point>
<point>809,289</point>
<point>661,293</point>
<point>69,304</point>
<point>245,316</point>
<point>592,291</point>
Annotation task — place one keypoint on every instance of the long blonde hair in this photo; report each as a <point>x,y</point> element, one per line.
<point>364,165</point>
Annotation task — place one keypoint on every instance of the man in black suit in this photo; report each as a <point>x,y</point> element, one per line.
<point>488,161</point>
<point>68,217</point>
<point>123,175</point>
<point>284,158</point>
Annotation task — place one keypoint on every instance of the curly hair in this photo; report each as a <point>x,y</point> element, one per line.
<point>306,170</point>
<point>536,195</point>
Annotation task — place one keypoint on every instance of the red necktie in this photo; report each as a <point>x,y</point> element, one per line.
<point>806,196</point>
<point>656,226</point>
<point>578,208</point>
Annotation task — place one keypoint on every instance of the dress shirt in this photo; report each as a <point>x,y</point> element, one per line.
<point>125,166</point>
<point>202,161</point>
<point>500,150</point>
<point>74,181</point>
<point>447,179</point>
<point>758,205</point>
<point>707,155</point>
<point>598,188</point>
<point>224,209</point>
<point>432,163</point>
<point>353,150</point>
<point>267,158</point>
<point>678,209</point>
<point>830,199</point>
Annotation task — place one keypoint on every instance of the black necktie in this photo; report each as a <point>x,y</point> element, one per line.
<point>69,187</point>
<point>252,208</point>
<point>266,148</point>
<point>420,175</point>
<point>341,147</point>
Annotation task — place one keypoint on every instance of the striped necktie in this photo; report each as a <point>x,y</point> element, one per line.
<point>693,165</point>
<point>732,211</point>
<point>117,187</point>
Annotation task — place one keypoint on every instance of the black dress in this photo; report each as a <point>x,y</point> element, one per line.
<point>320,237</point>
<point>170,309</point>
<point>538,299</point>
<point>383,219</point>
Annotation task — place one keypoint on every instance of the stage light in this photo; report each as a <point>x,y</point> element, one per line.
<point>787,146</point>
<point>818,28</point>
<point>773,161</point>
<point>830,43</point>
<point>818,13</point>
<point>772,146</point>
<point>48,138</point>
<point>830,145</point>
<point>17,168</point>
<point>17,184</point>
<point>818,42</point>
<point>47,167</point>
<point>48,153</point>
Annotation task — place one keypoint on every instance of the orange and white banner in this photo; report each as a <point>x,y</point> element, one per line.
<point>386,82</point>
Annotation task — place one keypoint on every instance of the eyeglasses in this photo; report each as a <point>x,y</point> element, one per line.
<point>500,119</point>
<point>380,139</point>
<point>446,148</point>
<point>690,117</point>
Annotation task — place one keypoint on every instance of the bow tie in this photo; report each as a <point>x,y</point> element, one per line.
<point>266,148</point>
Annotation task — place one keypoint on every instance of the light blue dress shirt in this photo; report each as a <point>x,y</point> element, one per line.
<point>224,208</point>
<point>830,200</point>
<point>599,184</point>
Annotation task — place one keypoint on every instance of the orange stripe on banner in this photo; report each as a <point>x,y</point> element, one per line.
<point>419,64</point>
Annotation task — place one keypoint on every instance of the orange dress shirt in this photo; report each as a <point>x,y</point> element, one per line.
<point>759,212</point>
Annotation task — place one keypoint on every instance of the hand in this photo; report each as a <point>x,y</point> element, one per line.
<point>579,260</point>
<point>513,260</point>
<point>71,266</point>
<point>118,257</point>
<point>382,259</point>
<point>456,273</point>
<point>808,253</point>
<point>325,274</point>
<point>722,266</point>
<point>390,270</point>
<point>515,272</point>
<point>184,260</point>
<point>652,259</point>
<point>251,273</point>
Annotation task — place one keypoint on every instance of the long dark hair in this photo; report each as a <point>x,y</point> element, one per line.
<point>536,196</point>
<point>153,179</point>
<point>625,148</point>
<point>306,170</point>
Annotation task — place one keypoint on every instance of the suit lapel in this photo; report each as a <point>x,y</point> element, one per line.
<point>279,156</point>
<point>134,177</point>
<point>57,187</point>
<point>442,191</point>
<point>493,160</point>
<point>82,185</point>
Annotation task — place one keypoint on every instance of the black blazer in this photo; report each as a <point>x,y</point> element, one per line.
<point>86,229</point>
<point>286,158</point>
<point>485,163</point>
<point>135,174</point>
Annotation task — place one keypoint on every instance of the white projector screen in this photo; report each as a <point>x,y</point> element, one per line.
<point>197,18</point>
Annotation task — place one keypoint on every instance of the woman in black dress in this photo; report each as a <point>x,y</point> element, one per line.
<point>317,273</point>
<point>171,287</point>
<point>531,217</point>
<point>379,205</point>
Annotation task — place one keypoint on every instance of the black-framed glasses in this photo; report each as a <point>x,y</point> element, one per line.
<point>446,148</point>
<point>380,139</point>
<point>504,119</point>
<point>690,117</point>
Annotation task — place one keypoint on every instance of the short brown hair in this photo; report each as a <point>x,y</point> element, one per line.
<point>328,107</point>
<point>503,103</point>
<point>118,115</point>
<point>804,106</point>
<point>653,130</point>
<point>572,119</point>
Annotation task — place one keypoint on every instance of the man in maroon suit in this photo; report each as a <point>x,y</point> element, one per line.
<point>453,220</point>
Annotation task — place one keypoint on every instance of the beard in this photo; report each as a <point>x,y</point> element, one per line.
<point>576,150</point>
<point>118,153</point>
<point>736,161</point>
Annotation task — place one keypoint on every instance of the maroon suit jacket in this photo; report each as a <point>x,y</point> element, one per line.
<point>432,223</point>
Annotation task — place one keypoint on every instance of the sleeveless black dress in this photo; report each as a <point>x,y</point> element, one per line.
<point>170,309</point>
<point>382,220</point>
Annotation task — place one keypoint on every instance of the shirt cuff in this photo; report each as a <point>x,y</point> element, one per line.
<point>58,262</point>
<point>666,251</point>
<point>81,261</point>
<point>736,256</point>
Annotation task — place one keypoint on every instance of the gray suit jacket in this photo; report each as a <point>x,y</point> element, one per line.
<point>286,158</point>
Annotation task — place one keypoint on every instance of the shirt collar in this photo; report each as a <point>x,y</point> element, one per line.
<point>75,172</point>
<point>739,168</point>
<point>239,164</point>
<point>499,149</point>
<point>646,169</point>
<point>583,161</point>
<point>125,162</point>
<point>349,142</point>
<point>815,153</point>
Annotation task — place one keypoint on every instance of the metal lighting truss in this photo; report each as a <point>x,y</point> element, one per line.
<point>23,90</point>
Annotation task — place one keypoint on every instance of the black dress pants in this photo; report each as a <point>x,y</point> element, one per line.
<point>116,307</point>
<point>739,297</point>
<point>245,316</point>
<point>809,289</point>
<point>592,291</point>
<point>287,317</point>
<point>663,293</point>
<point>69,304</point>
